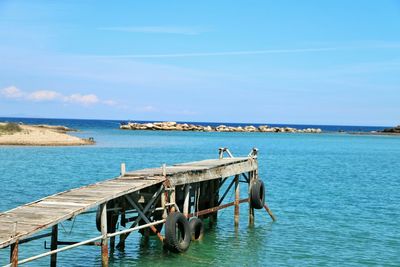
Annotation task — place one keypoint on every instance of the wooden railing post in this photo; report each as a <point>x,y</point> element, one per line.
<point>104,242</point>
<point>237,198</point>
<point>123,169</point>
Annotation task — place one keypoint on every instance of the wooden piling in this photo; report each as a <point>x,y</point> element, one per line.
<point>186,200</point>
<point>216,198</point>
<point>172,199</point>
<point>113,229</point>
<point>14,247</point>
<point>104,242</point>
<point>14,254</point>
<point>251,209</point>
<point>212,201</point>
<point>53,245</point>
<point>237,198</point>
<point>164,201</point>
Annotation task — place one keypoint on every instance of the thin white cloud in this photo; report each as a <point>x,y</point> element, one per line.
<point>44,95</point>
<point>228,53</point>
<point>13,92</point>
<point>109,102</point>
<point>83,99</point>
<point>154,29</point>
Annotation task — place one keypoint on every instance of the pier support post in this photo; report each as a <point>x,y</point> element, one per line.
<point>112,230</point>
<point>53,245</point>
<point>186,200</point>
<point>237,198</point>
<point>14,254</point>
<point>164,201</point>
<point>213,216</point>
<point>172,199</point>
<point>104,242</point>
<point>14,248</point>
<point>251,209</point>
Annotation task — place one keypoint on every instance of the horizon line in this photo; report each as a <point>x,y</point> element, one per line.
<point>249,123</point>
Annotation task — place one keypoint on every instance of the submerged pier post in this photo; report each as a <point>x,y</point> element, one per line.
<point>251,209</point>
<point>212,202</point>
<point>53,245</point>
<point>14,248</point>
<point>104,242</point>
<point>172,199</point>
<point>237,198</point>
<point>186,200</point>
<point>14,254</point>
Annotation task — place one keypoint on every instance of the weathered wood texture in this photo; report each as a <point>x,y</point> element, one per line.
<point>44,213</point>
<point>198,171</point>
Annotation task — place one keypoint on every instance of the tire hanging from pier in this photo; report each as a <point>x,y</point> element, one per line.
<point>177,233</point>
<point>257,194</point>
<point>196,228</point>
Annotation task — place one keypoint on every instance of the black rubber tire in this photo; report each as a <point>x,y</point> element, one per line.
<point>110,217</point>
<point>257,194</point>
<point>196,229</point>
<point>177,233</point>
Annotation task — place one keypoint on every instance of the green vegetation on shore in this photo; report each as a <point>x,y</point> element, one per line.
<point>9,128</point>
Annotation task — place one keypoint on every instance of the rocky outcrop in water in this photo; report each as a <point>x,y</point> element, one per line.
<point>174,126</point>
<point>394,130</point>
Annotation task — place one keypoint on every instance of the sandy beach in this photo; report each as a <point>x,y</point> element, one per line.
<point>41,135</point>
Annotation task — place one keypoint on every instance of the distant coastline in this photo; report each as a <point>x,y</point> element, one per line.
<point>19,134</point>
<point>114,124</point>
<point>174,126</point>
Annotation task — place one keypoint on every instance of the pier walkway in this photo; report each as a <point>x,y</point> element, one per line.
<point>150,195</point>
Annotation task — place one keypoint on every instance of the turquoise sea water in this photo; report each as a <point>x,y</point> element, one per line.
<point>336,196</point>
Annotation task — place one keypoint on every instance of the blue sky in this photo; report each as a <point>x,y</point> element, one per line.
<point>302,62</point>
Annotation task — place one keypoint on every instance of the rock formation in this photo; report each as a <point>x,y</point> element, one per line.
<point>395,130</point>
<point>174,126</point>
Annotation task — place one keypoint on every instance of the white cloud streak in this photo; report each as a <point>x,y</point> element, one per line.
<point>82,99</point>
<point>228,53</point>
<point>154,29</point>
<point>44,95</point>
<point>13,92</point>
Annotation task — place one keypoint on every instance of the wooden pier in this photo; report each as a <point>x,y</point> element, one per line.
<point>143,200</point>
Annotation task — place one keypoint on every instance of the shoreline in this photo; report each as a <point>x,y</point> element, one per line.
<point>40,135</point>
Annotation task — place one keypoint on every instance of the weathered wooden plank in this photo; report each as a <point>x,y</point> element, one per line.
<point>214,173</point>
<point>213,162</point>
<point>59,204</point>
<point>80,200</point>
<point>77,196</point>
